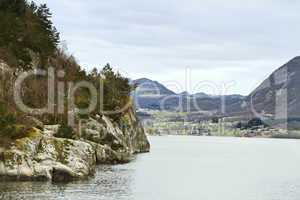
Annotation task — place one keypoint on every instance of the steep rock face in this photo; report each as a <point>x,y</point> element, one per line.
<point>70,159</point>
<point>40,156</point>
<point>138,140</point>
<point>279,89</point>
<point>123,140</point>
<point>276,97</point>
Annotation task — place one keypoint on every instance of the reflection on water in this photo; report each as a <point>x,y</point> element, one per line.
<point>190,168</point>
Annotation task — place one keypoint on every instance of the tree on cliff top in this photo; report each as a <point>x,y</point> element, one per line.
<point>26,32</point>
<point>116,91</point>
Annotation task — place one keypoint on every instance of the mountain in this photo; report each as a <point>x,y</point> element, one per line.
<point>276,97</point>
<point>279,93</point>
<point>153,95</point>
<point>276,100</point>
<point>185,93</point>
<point>151,88</point>
<point>201,95</point>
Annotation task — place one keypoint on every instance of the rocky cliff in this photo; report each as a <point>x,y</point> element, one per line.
<point>276,97</point>
<point>41,156</point>
<point>278,94</point>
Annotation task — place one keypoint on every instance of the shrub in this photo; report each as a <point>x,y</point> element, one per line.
<point>65,131</point>
<point>215,120</point>
<point>256,122</point>
<point>253,123</point>
<point>239,125</point>
<point>8,127</point>
<point>12,131</point>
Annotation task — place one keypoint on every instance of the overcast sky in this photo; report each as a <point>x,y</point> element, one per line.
<point>240,40</point>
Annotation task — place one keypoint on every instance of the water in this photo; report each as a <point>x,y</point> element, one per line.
<point>192,168</point>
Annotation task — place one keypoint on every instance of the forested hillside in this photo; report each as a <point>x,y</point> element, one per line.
<point>29,40</point>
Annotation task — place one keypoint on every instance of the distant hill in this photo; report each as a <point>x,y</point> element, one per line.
<point>155,96</point>
<point>277,97</point>
<point>201,95</point>
<point>151,88</point>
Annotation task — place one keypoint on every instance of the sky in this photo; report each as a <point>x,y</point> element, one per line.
<point>212,46</point>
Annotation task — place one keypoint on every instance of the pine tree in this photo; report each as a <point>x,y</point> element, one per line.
<point>26,28</point>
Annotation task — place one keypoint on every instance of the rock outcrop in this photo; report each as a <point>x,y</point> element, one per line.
<point>276,98</point>
<point>41,156</point>
<point>126,139</point>
<point>38,157</point>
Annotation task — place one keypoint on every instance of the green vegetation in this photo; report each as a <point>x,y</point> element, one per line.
<point>65,131</point>
<point>29,40</point>
<point>253,123</point>
<point>9,128</point>
<point>26,29</point>
<point>116,91</point>
<point>215,120</point>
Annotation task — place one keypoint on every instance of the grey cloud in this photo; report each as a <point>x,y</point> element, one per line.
<point>146,37</point>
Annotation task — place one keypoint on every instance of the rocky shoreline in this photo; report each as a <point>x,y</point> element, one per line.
<point>40,156</point>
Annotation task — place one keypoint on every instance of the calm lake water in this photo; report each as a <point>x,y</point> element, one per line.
<point>193,168</point>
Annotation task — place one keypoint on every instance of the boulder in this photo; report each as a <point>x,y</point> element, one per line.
<point>47,158</point>
<point>105,155</point>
